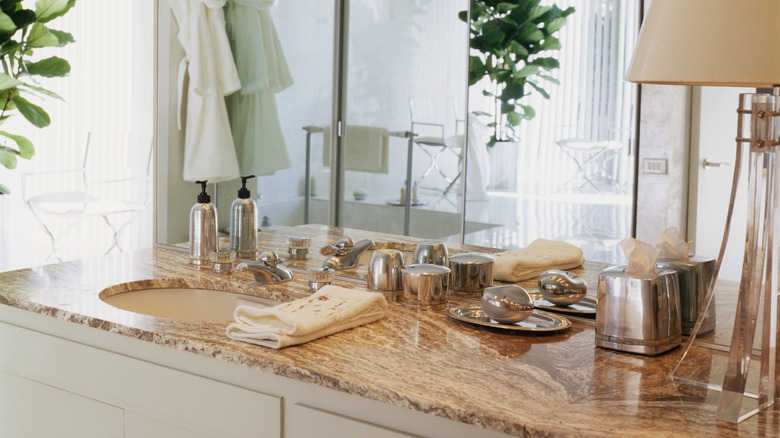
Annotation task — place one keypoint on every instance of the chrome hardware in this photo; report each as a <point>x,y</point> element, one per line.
<point>268,270</point>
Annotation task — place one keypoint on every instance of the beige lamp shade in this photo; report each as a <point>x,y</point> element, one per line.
<point>709,42</point>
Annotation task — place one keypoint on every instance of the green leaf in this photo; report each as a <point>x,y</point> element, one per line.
<point>7,82</point>
<point>26,148</point>
<point>8,157</point>
<point>47,10</point>
<point>505,7</point>
<point>513,119</point>
<point>530,69</point>
<point>33,113</point>
<point>518,49</point>
<point>551,43</point>
<point>42,91</point>
<point>41,37</point>
<point>7,25</point>
<point>528,112</point>
<point>492,33</point>
<point>63,37</point>
<point>9,47</point>
<point>23,18</point>
<point>49,67</point>
<point>546,63</point>
<point>540,90</point>
<point>550,79</point>
<point>538,11</point>
<point>555,24</point>
<point>4,190</point>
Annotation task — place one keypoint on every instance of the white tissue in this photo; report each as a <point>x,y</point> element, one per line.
<point>673,246</point>
<point>641,257</point>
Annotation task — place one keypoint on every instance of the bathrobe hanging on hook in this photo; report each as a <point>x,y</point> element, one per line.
<point>263,70</point>
<point>208,144</point>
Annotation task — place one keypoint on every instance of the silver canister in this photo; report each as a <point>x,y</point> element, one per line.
<point>319,277</point>
<point>298,247</point>
<point>222,261</point>
<point>425,284</point>
<point>430,252</point>
<point>694,276</point>
<point>385,272</point>
<point>471,274</point>
<point>638,314</point>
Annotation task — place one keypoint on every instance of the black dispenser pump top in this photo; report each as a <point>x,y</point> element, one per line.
<point>243,192</point>
<point>203,197</point>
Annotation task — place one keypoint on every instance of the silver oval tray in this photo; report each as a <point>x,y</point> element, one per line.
<point>538,321</point>
<point>586,308</point>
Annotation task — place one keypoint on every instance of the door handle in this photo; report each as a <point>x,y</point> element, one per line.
<point>707,164</point>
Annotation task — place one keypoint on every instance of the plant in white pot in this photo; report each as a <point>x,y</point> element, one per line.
<point>23,31</point>
<point>511,44</point>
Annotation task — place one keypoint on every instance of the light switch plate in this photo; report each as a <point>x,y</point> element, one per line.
<point>656,166</point>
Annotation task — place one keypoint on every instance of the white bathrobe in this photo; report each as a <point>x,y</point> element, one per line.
<point>263,70</point>
<point>208,144</point>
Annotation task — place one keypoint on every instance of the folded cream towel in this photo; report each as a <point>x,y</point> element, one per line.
<point>541,255</point>
<point>329,310</point>
<point>367,149</point>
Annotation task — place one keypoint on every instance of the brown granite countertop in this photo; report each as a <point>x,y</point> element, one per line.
<point>543,385</point>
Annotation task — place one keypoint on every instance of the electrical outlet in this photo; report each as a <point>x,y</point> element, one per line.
<point>656,166</point>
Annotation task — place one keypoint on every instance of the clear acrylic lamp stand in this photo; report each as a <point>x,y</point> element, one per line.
<point>748,370</point>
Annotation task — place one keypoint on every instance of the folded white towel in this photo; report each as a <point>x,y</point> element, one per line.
<point>367,149</point>
<point>329,310</point>
<point>541,255</point>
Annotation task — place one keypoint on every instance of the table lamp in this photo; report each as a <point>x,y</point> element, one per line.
<point>732,43</point>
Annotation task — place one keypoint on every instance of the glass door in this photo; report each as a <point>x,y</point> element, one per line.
<point>403,133</point>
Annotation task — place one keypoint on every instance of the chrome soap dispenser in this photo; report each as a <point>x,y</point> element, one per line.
<point>243,222</point>
<point>203,228</point>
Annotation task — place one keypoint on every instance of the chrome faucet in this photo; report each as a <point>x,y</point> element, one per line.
<point>347,253</point>
<point>268,270</point>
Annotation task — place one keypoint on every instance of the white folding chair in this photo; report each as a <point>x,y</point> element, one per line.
<point>114,183</point>
<point>434,144</point>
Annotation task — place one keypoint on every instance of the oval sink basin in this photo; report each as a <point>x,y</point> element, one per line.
<point>184,304</point>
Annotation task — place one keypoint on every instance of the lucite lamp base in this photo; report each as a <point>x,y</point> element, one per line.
<point>758,288</point>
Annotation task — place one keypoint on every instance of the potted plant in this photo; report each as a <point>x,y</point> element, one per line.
<point>23,31</point>
<point>511,42</point>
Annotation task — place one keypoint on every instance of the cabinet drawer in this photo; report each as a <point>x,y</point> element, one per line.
<point>32,409</point>
<point>305,422</point>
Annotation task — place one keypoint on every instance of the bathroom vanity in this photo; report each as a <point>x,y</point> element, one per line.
<point>72,365</point>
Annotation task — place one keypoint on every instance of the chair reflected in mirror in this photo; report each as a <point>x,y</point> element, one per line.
<point>430,129</point>
<point>113,183</point>
<point>595,145</point>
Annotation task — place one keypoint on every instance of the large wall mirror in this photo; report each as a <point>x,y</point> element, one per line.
<point>398,97</point>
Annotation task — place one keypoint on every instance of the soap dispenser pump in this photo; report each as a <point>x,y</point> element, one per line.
<point>203,228</point>
<point>243,222</point>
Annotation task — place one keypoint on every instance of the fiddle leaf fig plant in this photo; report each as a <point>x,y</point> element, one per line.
<point>23,31</point>
<point>513,41</point>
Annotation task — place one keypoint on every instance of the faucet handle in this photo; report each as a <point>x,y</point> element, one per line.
<point>270,258</point>
<point>343,246</point>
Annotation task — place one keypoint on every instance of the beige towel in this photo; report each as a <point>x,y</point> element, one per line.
<point>330,310</point>
<point>541,255</point>
<point>367,149</point>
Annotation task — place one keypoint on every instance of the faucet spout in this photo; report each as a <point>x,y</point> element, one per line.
<point>269,270</point>
<point>347,253</point>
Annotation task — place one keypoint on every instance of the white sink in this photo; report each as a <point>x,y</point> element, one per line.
<point>184,304</point>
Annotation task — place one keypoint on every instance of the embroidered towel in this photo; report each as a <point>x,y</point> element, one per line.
<point>329,310</point>
<point>541,255</point>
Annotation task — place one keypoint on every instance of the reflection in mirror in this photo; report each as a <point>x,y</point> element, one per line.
<point>570,176</point>
<point>406,73</point>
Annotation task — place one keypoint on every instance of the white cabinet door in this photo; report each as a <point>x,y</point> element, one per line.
<point>32,409</point>
<point>306,422</point>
